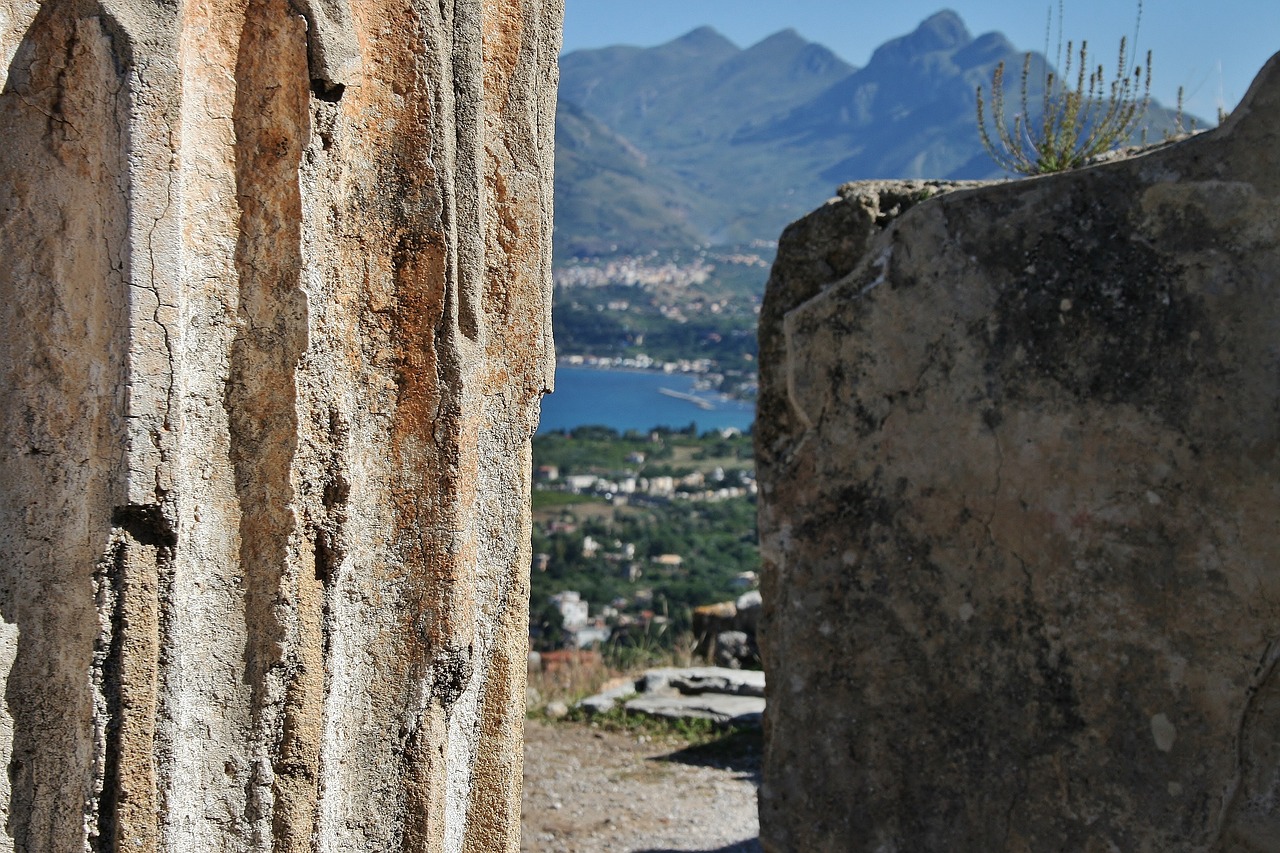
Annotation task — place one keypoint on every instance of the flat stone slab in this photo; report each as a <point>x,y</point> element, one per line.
<point>726,710</point>
<point>704,679</point>
<point>705,692</point>
<point>605,701</point>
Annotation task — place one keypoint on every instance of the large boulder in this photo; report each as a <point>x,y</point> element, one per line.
<point>275,300</point>
<point>1019,448</point>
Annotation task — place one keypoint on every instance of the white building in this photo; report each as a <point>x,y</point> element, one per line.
<point>580,482</point>
<point>573,610</point>
<point>590,635</point>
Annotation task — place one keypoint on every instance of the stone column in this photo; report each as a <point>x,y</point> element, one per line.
<point>275,301</point>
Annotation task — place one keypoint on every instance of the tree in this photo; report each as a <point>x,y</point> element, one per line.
<point>546,625</point>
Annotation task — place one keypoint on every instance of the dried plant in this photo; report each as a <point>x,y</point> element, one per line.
<point>1075,124</point>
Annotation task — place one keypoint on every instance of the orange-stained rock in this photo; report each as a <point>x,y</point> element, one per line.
<point>275,301</point>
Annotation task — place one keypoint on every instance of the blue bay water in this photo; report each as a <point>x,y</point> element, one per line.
<point>630,399</point>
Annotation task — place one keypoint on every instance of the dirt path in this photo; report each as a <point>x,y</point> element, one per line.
<point>587,791</point>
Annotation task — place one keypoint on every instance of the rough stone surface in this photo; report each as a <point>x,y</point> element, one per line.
<point>734,647</point>
<point>704,679</point>
<point>693,692</point>
<point>606,700</point>
<point>717,707</point>
<point>275,295</point>
<point>712,679</point>
<point>1018,448</point>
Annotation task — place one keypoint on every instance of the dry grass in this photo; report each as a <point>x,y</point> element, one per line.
<point>568,677</point>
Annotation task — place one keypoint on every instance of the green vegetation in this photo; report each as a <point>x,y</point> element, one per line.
<point>666,451</point>
<point>703,527</point>
<point>715,542</point>
<point>543,499</point>
<point>596,449</point>
<point>711,740</point>
<point>648,645</point>
<point>1076,124</point>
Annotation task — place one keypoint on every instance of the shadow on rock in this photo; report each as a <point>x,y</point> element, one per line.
<point>737,750</point>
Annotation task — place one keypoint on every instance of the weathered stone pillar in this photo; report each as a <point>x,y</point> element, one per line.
<point>275,313</point>
<point>1019,449</point>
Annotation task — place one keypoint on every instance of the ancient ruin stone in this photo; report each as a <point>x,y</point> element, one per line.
<point>1019,449</point>
<point>275,297</point>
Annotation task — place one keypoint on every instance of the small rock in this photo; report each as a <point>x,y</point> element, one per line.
<point>557,710</point>
<point>734,649</point>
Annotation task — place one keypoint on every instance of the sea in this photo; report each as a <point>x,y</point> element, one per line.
<point>637,400</point>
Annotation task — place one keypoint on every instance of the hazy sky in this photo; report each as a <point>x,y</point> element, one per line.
<point>1212,48</point>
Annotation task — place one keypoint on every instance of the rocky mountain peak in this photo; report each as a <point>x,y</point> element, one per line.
<point>943,31</point>
<point>782,38</point>
<point>704,40</point>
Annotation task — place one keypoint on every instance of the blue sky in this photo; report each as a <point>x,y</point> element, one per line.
<point>1212,48</point>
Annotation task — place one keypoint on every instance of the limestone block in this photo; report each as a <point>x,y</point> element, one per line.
<point>704,679</point>
<point>1019,455</point>
<point>275,300</point>
<point>716,707</point>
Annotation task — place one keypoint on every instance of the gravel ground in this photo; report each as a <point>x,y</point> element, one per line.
<point>587,790</point>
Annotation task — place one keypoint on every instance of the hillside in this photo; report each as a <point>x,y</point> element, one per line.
<point>698,141</point>
<point>609,193</point>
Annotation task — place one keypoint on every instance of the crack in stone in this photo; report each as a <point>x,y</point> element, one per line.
<point>1231,801</point>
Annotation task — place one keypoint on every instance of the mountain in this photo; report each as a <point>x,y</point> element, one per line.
<point>909,113</point>
<point>699,141</point>
<point>678,106</point>
<point>609,195</point>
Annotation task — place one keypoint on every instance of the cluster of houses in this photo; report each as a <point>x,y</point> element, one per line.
<point>651,270</point>
<point>633,271</point>
<point>697,486</point>
<point>622,554</point>
<point>580,630</point>
<point>584,630</point>
<point>643,361</point>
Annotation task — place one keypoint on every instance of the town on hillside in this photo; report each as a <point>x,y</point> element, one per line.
<point>633,532</point>
<point>685,311</point>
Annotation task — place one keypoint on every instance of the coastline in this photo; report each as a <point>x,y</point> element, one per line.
<point>705,405</point>
<point>637,399</point>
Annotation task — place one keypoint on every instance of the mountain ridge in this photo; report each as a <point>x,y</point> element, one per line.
<point>737,142</point>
